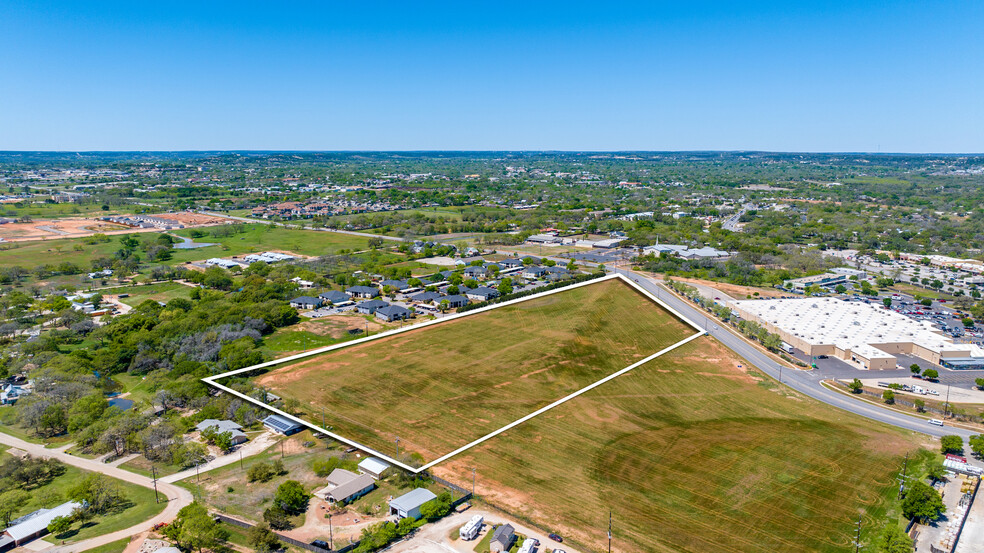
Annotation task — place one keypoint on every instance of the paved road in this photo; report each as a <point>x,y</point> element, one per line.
<point>806,382</point>
<point>176,497</point>
<point>295,225</point>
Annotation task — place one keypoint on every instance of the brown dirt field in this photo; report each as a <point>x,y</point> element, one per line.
<point>735,291</point>
<point>195,219</point>
<point>337,326</point>
<point>56,228</point>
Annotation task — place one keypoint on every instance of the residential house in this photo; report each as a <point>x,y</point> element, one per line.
<point>392,313</point>
<point>306,302</point>
<point>344,485</point>
<point>394,284</point>
<point>427,297</point>
<point>235,431</point>
<point>408,505</point>
<point>335,297</point>
<point>370,307</point>
<point>482,293</point>
<point>30,527</point>
<point>502,538</point>
<point>455,302</point>
<point>510,263</point>
<point>363,291</point>
<point>533,272</point>
<point>474,272</point>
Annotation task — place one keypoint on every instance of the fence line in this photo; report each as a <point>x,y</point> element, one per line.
<point>287,539</point>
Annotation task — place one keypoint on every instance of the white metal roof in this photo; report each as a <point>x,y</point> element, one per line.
<point>41,519</point>
<point>373,465</point>
<point>851,325</point>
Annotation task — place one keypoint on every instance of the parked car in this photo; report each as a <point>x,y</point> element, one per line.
<point>556,538</point>
<point>320,543</point>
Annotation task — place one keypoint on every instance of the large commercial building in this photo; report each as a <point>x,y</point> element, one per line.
<point>859,333</point>
<point>826,279</point>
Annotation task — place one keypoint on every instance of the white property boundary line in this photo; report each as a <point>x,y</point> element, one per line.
<point>211,380</point>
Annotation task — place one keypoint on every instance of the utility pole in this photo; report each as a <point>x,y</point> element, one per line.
<point>240,459</point>
<point>281,449</point>
<point>780,374</point>
<point>198,473</point>
<point>609,531</point>
<point>473,480</point>
<point>397,447</point>
<point>857,540</point>
<point>905,466</point>
<point>946,406</point>
<point>331,537</point>
<point>153,469</point>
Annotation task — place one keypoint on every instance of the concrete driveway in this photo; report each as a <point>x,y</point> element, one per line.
<point>433,538</point>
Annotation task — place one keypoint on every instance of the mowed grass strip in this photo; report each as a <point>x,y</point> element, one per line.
<point>439,388</point>
<point>693,454</point>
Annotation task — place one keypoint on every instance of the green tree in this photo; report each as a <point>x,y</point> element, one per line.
<point>951,444</point>
<point>931,374</point>
<point>979,382</point>
<point>277,518</point>
<point>888,396</point>
<point>895,540</point>
<point>922,502</point>
<point>936,470</point>
<point>261,539</point>
<point>976,443</point>
<point>60,525</point>
<point>856,386</point>
<point>291,496</point>
<point>887,302</point>
<point>919,404</point>
<point>10,503</point>
<point>915,368</point>
<point>101,493</point>
<point>195,530</point>
<point>840,289</point>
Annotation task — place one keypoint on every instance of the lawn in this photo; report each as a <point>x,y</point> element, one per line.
<point>440,387</point>
<point>162,292</point>
<point>261,237</point>
<point>140,505</point>
<point>115,547</point>
<point>693,452</point>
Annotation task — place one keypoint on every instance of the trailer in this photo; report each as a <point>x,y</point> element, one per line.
<point>472,528</point>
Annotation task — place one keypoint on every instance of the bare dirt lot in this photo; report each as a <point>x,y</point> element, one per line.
<point>76,227</point>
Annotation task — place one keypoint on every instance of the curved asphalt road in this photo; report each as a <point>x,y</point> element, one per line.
<point>804,382</point>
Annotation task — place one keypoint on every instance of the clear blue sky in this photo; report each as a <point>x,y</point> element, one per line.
<point>534,75</point>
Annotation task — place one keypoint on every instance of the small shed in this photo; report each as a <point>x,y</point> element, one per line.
<point>408,505</point>
<point>373,467</point>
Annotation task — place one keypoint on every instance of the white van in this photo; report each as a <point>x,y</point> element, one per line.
<point>937,422</point>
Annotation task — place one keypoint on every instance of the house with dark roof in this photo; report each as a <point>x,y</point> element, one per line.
<point>510,263</point>
<point>394,284</point>
<point>363,291</point>
<point>236,434</point>
<point>335,297</point>
<point>482,293</point>
<point>502,538</point>
<point>427,297</point>
<point>455,301</point>
<point>281,425</point>
<point>392,313</point>
<point>306,302</point>
<point>474,272</point>
<point>369,307</point>
<point>533,272</point>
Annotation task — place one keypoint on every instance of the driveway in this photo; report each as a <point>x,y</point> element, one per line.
<point>258,444</point>
<point>176,497</point>
<point>433,538</point>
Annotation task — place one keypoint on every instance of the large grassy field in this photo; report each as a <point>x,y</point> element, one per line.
<point>693,452</point>
<point>256,238</point>
<point>439,388</point>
